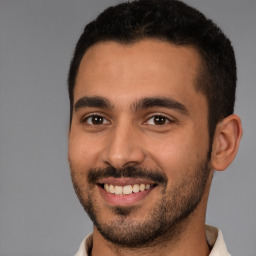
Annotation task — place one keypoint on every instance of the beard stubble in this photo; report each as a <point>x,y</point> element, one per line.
<point>163,222</point>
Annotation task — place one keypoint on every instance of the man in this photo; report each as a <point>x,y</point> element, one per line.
<point>152,89</point>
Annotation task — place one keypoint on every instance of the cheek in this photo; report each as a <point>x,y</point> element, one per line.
<point>82,152</point>
<point>80,160</point>
<point>176,155</point>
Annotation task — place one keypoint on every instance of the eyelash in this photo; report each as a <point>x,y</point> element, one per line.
<point>104,121</point>
<point>162,119</point>
<point>96,116</point>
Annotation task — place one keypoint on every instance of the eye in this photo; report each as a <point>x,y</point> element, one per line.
<point>158,120</point>
<point>96,120</point>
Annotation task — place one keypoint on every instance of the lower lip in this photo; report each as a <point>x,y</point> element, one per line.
<point>124,200</point>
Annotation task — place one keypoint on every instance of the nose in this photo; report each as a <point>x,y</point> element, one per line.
<point>124,147</point>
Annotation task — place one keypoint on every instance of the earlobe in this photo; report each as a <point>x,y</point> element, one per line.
<point>226,141</point>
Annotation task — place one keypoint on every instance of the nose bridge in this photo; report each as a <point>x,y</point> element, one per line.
<point>123,146</point>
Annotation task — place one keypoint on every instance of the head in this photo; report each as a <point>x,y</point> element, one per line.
<point>175,22</point>
<point>152,87</point>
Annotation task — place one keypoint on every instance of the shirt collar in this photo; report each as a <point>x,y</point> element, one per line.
<point>216,241</point>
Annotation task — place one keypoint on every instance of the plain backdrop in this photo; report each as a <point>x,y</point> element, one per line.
<point>39,212</point>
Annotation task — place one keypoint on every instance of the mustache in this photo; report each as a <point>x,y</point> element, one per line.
<point>156,176</point>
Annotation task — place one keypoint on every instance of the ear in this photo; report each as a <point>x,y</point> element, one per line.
<point>226,141</point>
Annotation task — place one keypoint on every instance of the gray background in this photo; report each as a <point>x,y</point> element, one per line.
<point>39,212</point>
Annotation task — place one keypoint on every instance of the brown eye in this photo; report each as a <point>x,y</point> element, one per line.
<point>96,120</point>
<point>158,120</point>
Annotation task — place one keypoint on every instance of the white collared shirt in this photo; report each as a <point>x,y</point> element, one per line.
<point>213,235</point>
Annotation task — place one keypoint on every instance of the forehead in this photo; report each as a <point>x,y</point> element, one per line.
<point>143,69</point>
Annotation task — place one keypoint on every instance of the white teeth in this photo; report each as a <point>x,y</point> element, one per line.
<point>136,188</point>
<point>106,187</point>
<point>112,189</point>
<point>118,190</point>
<point>142,187</point>
<point>126,190</point>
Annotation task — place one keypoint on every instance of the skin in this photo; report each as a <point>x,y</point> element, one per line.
<point>125,74</point>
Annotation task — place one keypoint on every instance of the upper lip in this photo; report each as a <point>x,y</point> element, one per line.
<point>124,181</point>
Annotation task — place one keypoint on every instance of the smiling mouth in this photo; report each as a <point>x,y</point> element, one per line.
<point>127,189</point>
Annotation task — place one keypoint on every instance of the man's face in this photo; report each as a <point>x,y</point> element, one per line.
<point>138,141</point>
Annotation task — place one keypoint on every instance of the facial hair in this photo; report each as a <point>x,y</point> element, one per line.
<point>163,220</point>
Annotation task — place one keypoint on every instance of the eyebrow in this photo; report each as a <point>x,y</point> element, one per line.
<point>101,102</point>
<point>93,102</point>
<point>160,102</point>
